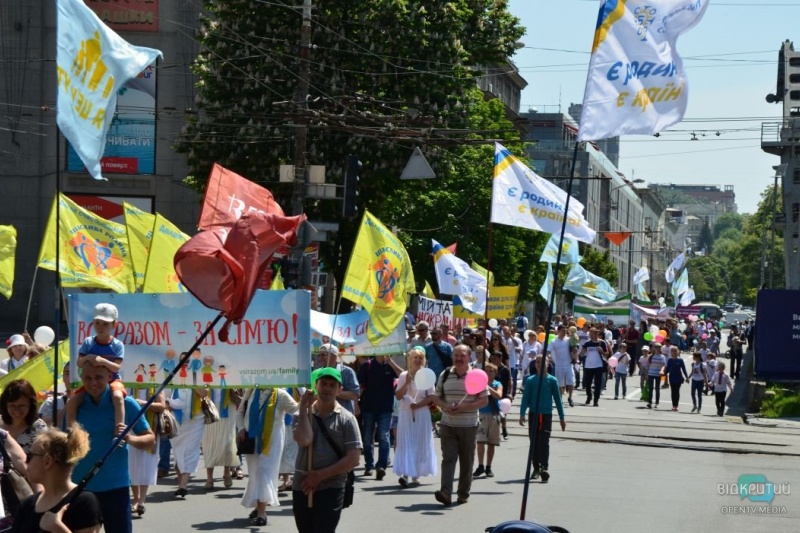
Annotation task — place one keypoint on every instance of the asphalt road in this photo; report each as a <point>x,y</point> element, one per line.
<point>618,467</point>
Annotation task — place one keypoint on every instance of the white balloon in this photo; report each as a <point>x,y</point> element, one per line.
<point>492,322</point>
<point>654,330</point>
<point>505,406</point>
<point>682,326</point>
<point>425,379</point>
<point>44,335</point>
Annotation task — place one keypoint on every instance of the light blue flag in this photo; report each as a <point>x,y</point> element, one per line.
<point>569,251</point>
<point>93,63</point>
<point>581,281</point>
<point>641,293</point>
<point>547,287</point>
<point>680,285</point>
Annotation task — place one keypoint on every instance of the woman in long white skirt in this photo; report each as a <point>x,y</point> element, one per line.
<point>219,440</point>
<point>143,463</point>
<point>415,454</point>
<point>261,414</point>
<point>186,444</point>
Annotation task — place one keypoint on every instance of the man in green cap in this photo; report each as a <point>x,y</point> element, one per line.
<point>330,461</point>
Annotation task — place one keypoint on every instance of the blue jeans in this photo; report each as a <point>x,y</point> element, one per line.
<point>617,378</point>
<point>697,392</point>
<point>164,449</point>
<point>382,421</point>
<point>116,507</point>
<point>514,372</point>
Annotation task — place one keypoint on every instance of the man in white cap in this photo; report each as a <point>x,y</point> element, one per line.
<point>348,393</point>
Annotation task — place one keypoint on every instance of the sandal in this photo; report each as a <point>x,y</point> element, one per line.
<point>259,521</point>
<point>227,481</point>
<point>209,485</point>
<point>140,509</point>
<point>239,473</point>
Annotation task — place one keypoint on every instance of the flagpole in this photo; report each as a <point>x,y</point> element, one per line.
<point>57,291</point>
<point>534,418</point>
<point>488,275</point>
<point>30,298</point>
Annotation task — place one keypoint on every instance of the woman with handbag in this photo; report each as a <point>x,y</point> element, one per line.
<point>188,409</point>
<point>50,462</point>
<point>143,462</point>
<point>261,417</point>
<point>219,440</point>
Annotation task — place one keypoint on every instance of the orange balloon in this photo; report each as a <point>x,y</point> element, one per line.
<point>581,322</point>
<point>663,333</point>
<point>540,337</point>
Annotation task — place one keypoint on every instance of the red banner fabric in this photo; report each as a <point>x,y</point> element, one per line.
<point>229,196</point>
<point>617,237</point>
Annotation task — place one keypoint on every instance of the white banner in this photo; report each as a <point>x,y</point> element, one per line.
<point>349,333</point>
<point>439,312</point>
<point>636,82</point>
<point>270,348</point>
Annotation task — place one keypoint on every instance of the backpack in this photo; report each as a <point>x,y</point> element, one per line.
<point>520,323</point>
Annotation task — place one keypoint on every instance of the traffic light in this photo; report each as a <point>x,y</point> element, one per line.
<point>349,207</point>
<point>290,271</point>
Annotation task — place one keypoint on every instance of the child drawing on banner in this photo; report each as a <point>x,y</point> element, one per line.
<point>153,370</point>
<point>183,372</point>
<point>168,364</point>
<point>139,373</point>
<point>222,372</point>
<point>207,369</point>
<point>195,365</point>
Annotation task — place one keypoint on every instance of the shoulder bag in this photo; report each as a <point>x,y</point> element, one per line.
<point>13,485</point>
<point>349,487</point>
<point>210,412</point>
<point>166,424</point>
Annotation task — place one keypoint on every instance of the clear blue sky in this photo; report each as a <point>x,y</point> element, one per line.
<point>731,62</point>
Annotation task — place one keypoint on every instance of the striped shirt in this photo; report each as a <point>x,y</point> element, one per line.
<point>657,362</point>
<point>453,391</point>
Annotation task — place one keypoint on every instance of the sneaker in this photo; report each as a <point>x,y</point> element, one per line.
<point>403,482</point>
<point>380,473</point>
<point>535,474</point>
<point>489,472</point>
<point>649,406</point>
<point>545,476</point>
<point>442,498</point>
<point>595,404</point>
<point>571,403</point>
<point>675,409</point>
<point>505,434</point>
<point>588,401</point>
<point>616,397</point>
<point>694,409</point>
<point>478,471</point>
<point>656,406</point>
<point>368,471</point>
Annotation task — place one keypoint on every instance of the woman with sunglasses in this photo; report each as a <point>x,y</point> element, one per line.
<point>50,461</point>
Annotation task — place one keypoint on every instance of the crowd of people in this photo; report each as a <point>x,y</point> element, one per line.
<point>308,442</point>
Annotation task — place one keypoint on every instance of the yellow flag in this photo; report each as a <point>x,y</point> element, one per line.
<point>39,371</point>
<point>160,275</point>
<point>8,249</point>
<point>378,277</point>
<point>483,272</point>
<point>427,292</point>
<point>139,227</point>
<point>277,282</point>
<point>93,251</point>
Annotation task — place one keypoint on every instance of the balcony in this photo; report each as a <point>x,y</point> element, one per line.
<point>776,137</point>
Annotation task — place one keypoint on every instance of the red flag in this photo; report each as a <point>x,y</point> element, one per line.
<point>229,196</point>
<point>617,237</point>
<point>225,276</point>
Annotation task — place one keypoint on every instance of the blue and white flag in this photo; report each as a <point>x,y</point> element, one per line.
<point>674,267</point>
<point>641,275</point>
<point>569,251</point>
<point>581,281</point>
<point>641,293</point>
<point>93,63</point>
<point>636,82</point>
<point>687,298</point>
<point>681,285</point>
<point>547,287</point>
<point>522,198</point>
<point>455,277</point>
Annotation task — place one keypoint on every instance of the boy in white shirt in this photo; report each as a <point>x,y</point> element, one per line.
<point>621,370</point>
<point>721,383</point>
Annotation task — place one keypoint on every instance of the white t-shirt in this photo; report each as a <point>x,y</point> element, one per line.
<point>622,362</point>
<point>513,354</point>
<point>711,367</point>
<point>526,358</point>
<point>559,350</point>
<point>697,371</point>
<point>593,357</point>
<point>704,354</point>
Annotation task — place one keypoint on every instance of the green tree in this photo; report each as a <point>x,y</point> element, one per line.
<point>707,278</point>
<point>728,221</point>
<point>705,241</point>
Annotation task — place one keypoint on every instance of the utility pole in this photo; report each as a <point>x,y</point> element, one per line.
<point>301,136</point>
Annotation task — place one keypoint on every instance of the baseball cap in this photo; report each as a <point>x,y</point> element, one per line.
<point>327,348</point>
<point>16,340</point>
<point>326,372</point>
<point>106,312</point>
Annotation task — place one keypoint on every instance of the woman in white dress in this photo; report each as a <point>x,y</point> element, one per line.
<point>415,455</point>
<point>186,444</point>
<point>261,414</point>
<point>219,439</point>
<point>143,462</point>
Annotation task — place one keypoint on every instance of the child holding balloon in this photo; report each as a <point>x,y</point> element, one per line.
<point>489,422</point>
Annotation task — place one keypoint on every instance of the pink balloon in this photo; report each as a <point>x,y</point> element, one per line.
<point>505,406</point>
<point>704,336</point>
<point>613,362</point>
<point>659,338</point>
<point>476,381</point>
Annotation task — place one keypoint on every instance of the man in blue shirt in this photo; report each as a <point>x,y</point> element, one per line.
<point>111,483</point>
<point>376,381</point>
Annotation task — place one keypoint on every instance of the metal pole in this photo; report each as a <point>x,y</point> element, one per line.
<point>57,290</point>
<point>772,236</point>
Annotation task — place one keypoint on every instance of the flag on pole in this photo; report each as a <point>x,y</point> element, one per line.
<point>569,251</point>
<point>160,275</point>
<point>482,271</point>
<point>522,198</point>
<point>547,287</point>
<point>636,82</point>
<point>277,282</point>
<point>674,267</point>
<point>378,277</point>
<point>641,275</point>
<point>455,277</point>
<point>581,281</point>
<point>687,298</point>
<point>8,250</point>
<point>92,63</point>
<point>681,284</point>
<point>427,292</point>
<point>641,293</point>
<point>139,229</point>
<point>93,251</point>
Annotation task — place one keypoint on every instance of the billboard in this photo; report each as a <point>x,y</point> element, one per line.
<point>131,139</point>
<point>110,207</point>
<point>777,340</point>
<point>127,15</point>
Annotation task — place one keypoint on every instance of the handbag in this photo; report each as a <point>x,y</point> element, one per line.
<point>349,486</point>
<point>210,412</point>
<point>166,424</point>
<point>248,445</point>
<point>13,486</point>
